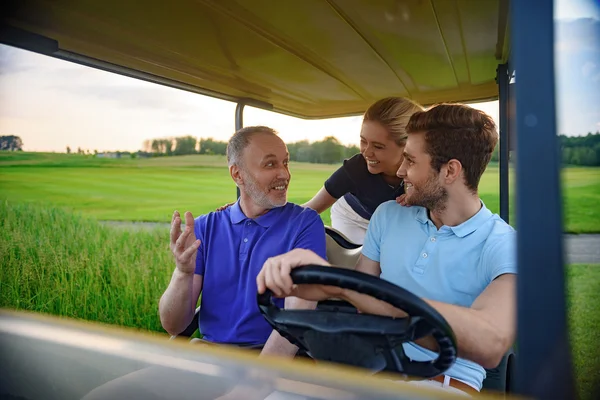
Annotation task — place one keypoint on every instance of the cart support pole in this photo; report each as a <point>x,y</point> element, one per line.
<point>544,369</point>
<point>239,124</point>
<point>503,80</point>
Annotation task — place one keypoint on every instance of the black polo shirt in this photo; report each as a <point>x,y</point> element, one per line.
<point>363,190</point>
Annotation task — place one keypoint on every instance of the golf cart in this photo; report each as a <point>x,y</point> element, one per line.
<point>318,59</point>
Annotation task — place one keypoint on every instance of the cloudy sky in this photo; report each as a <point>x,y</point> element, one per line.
<point>52,104</point>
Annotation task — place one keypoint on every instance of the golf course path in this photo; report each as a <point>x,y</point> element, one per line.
<point>582,249</point>
<point>579,249</point>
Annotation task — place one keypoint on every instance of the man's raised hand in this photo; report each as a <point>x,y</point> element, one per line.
<point>184,246</point>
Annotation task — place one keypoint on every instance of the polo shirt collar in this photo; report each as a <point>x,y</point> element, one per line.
<point>236,215</point>
<point>471,225</point>
<point>467,227</point>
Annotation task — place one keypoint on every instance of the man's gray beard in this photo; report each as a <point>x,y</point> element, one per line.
<point>259,197</point>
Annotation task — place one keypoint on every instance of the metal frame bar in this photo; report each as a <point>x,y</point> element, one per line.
<point>543,364</point>
<point>239,124</point>
<point>22,39</point>
<point>504,160</point>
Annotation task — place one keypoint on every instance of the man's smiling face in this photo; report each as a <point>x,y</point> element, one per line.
<point>421,182</point>
<point>265,171</point>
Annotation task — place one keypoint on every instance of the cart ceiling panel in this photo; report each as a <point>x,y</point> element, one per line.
<point>309,58</point>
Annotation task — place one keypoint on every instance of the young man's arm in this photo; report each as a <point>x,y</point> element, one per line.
<point>484,332</point>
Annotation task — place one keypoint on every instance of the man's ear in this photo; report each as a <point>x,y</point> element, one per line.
<point>234,171</point>
<point>452,171</point>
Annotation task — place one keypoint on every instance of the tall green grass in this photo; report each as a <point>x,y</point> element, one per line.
<point>64,264</point>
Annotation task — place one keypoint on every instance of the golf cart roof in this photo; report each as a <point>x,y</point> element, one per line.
<point>312,58</point>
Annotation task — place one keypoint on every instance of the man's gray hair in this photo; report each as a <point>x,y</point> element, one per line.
<point>240,140</point>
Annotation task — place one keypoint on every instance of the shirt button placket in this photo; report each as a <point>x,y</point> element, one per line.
<point>424,256</point>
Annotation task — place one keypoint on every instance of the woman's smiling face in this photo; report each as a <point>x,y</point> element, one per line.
<point>382,153</point>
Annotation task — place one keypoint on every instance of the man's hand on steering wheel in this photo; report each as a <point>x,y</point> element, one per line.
<point>275,275</point>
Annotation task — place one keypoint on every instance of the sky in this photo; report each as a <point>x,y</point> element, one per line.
<point>52,104</point>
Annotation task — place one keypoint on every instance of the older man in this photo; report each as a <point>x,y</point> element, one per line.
<point>219,255</point>
<point>224,252</point>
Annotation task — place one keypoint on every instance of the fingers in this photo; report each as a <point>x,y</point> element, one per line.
<point>189,252</point>
<point>284,278</point>
<point>269,280</point>
<point>181,241</point>
<point>402,200</point>
<point>276,272</point>
<point>280,278</point>
<point>275,276</point>
<point>260,280</point>
<point>175,227</point>
<point>224,207</point>
<point>189,219</point>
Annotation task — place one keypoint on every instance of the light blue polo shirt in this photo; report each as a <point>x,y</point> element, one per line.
<point>232,252</point>
<point>452,265</point>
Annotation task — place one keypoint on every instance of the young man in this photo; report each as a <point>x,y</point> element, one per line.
<point>220,254</point>
<point>448,248</point>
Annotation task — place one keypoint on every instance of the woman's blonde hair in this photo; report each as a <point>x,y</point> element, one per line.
<point>393,113</point>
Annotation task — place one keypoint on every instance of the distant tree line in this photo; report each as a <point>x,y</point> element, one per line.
<point>326,151</point>
<point>581,150</point>
<point>576,150</point>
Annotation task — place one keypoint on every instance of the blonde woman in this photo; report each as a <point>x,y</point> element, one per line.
<point>368,178</point>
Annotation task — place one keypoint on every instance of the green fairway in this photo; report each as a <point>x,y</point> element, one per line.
<point>55,262</point>
<point>150,189</point>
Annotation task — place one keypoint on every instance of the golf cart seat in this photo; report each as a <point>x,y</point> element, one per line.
<point>500,379</point>
<point>191,328</point>
<point>340,250</point>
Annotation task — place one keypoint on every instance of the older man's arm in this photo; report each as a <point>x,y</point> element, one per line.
<point>311,238</point>
<point>177,304</point>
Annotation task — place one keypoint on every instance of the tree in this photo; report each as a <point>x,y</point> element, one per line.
<point>185,145</point>
<point>329,151</point>
<point>68,150</point>
<point>11,143</point>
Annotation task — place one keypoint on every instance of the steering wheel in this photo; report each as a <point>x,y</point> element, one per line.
<point>340,334</point>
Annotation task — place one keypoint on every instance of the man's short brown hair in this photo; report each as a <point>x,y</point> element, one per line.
<point>457,131</point>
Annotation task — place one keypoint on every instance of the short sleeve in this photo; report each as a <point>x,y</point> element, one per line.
<point>312,234</point>
<point>501,258</point>
<point>375,231</point>
<point>199,230</point>
<point>341,182</point>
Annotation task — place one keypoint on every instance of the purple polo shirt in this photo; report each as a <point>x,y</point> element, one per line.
<point>232,252</point>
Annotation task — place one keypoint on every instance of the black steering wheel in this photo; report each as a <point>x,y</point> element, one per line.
<point>342,335</point>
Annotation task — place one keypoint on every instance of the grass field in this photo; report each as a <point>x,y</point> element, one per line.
<point>150,189</point>
<point>60,263</point>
